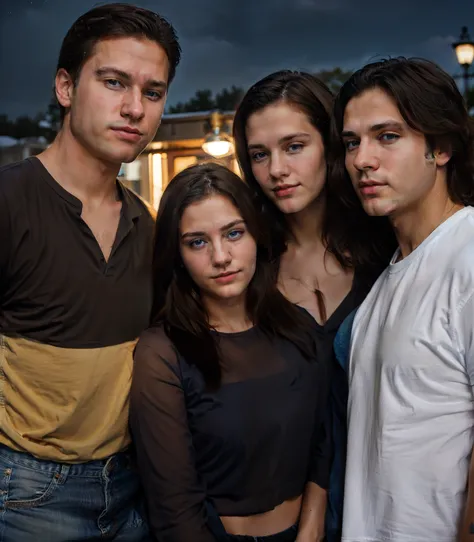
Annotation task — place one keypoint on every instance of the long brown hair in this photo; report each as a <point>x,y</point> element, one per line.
<point>177,302</point>
<point>344,229</point>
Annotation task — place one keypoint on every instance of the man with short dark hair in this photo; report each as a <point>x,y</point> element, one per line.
<point>407,143</point>
<point>75,287</point>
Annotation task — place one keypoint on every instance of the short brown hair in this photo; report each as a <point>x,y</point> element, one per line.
<point>115,21</point>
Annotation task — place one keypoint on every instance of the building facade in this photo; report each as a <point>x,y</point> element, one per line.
<point>177,145</point>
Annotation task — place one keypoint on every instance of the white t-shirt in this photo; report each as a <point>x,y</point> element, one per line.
<point>411,405</point>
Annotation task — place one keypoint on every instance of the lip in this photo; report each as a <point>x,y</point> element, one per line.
<point>225,278</point>
<point>127,133</point>
<point>284,190</point>
<point>370,188</point>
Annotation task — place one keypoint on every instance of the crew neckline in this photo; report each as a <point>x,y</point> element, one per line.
<point>232,334</point>
<point>395,267</point>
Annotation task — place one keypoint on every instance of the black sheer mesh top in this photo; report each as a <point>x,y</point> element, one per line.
<point>244,448</point>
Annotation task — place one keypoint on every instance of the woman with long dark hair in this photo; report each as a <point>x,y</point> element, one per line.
<point>230,388</point>
<point>327,255</point>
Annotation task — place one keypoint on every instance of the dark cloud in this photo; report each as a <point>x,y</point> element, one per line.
<point>229,42</point>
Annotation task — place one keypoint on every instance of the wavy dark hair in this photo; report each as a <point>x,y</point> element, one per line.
<point>430,103</point>
<point>115,21</point>
<point>177,302</point>
<point>345,231</point>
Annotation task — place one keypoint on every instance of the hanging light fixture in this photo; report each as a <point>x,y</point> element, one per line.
<point>217,143</point>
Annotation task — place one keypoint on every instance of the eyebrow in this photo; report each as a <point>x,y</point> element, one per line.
<point>224,228</point>
<point>100,72</point>
<point>280,141</point>
<point>392,124</point>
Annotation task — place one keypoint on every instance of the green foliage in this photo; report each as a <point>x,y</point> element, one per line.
<point>42,125</point>
<point>228,98</point>
<point>334,78</point>
<point>203,100</point>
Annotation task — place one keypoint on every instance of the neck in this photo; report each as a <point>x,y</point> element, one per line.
<point>306,226</point>
<point>416,223</point>
<point>228,315</point>
<point>77,170</point>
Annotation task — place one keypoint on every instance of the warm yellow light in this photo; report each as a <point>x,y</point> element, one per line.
<point>465,53</point>
<point>157,170</point>
<point>217,142</point>
<point>464,48</point>
<point>217,148</point>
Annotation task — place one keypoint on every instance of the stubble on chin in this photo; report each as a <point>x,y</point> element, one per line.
<point>379,207</point>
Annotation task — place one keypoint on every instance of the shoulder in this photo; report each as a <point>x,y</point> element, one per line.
<point>155,351</point>
<point>156,339</point>
<point>146,209</point>
<point>458,251</point>
<point>15,177</point>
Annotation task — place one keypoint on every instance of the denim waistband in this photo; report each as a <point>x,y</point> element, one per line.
<point>90,468</point>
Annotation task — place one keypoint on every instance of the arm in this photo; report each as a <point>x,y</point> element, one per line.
<point>463,331</point>
<point>5,236</point>
<point>467,527</point>
<point>174,493</point>
<point>313,510</point>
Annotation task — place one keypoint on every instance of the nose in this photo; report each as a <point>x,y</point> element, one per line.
<point>221,256</point>
<point>132,106</point>
<point>365,157</point>
<point>278,166</point>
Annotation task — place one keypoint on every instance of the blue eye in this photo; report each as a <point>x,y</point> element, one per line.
<point>154,95</point>
<point>295,147</point>
<point>235,234</point>
<point>389,137</point>
<point>350,144</point>
<point>113,83</point>
<point>196,243</point>
<point>258,156</point>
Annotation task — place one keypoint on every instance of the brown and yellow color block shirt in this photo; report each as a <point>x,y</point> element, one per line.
<point>69,320</point>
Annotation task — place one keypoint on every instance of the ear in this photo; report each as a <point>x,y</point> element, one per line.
<point>64,87</point>
<point>442,157</point>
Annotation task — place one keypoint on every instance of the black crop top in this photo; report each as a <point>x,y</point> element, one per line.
<point>245,448</point>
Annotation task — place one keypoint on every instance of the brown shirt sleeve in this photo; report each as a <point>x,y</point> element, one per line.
<point>5,237</point>
<point>175,495</point>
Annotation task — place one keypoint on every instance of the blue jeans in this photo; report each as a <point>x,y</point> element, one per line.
<point>44,501</point>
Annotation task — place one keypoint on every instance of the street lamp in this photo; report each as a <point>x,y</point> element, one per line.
<point>217,143</point>
<point>464,49</point>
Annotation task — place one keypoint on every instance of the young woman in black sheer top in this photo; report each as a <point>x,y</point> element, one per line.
<point>230,387</point>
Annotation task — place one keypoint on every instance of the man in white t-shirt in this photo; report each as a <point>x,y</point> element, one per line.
<point>407,143</point>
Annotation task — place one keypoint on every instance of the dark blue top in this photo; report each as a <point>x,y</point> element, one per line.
<point>338,408</point>
<point>246,447</point>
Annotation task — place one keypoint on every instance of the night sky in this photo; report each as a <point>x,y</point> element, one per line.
<point>236,42</point>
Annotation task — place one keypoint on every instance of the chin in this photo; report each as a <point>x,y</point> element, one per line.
<point>228,292</point>
<point>124,153</point>
<point>379,208</point>
<point>289,207</point>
